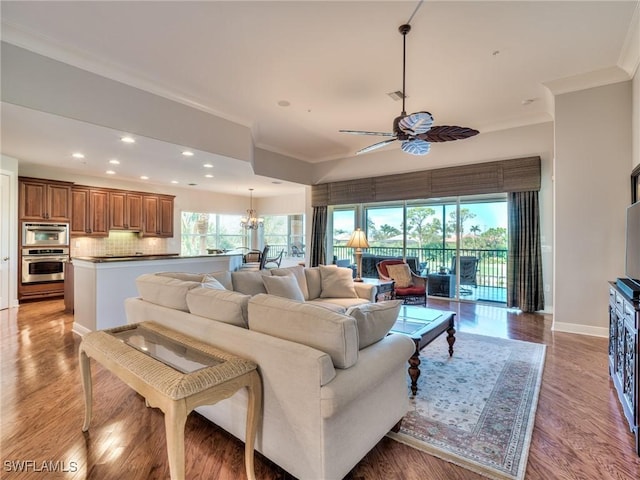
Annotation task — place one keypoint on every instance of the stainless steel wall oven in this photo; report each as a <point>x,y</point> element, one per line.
<point>45,234</point>
<point>43,264</point>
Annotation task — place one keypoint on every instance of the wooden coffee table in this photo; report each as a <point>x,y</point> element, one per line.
<point>423,325</point>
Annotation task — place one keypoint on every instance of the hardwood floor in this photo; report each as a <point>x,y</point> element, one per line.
<point>580,432</point>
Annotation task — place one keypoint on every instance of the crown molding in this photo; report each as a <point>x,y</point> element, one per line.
<point>597,78</point>
<point>629,59</point>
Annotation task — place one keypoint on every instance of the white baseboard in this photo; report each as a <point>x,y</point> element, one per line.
<point>79,329</point>
<point>580,329</point>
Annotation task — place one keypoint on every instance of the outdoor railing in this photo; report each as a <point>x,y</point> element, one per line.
<point>492,263</point>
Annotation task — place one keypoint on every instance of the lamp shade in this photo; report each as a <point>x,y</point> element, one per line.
<point>358,240</point>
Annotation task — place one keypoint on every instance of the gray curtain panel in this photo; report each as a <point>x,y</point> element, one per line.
<point>524,262</point>
<point>317,255</point>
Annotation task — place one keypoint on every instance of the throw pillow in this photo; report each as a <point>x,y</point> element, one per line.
<point>298,272</point>
<point>374,320</point>
<point>401,273</point>
<point>283,286</point>
<point>211,282</point>
<point>336,282</point>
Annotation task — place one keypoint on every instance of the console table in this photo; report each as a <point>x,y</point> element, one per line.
<point>174,373</point>
<point>624,322</point>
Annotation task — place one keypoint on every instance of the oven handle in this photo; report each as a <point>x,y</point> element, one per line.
<point>47,259</point>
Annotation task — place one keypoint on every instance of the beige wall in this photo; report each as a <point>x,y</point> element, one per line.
<point>635,123</point>
<point>591,185</point>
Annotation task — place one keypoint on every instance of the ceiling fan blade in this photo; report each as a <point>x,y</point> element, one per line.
<point>416,123</point>
<point>375,146</point>
<point>416,146</point>
<point>447,133</point>
<point>364,132</point>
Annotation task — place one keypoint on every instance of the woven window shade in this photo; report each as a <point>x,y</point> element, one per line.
<point>517,175</point>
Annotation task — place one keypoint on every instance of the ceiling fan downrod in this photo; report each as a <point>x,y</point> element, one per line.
<point>404,29</point>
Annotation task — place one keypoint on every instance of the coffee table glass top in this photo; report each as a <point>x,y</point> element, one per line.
<point>411,318</point>
<point>181,357</point>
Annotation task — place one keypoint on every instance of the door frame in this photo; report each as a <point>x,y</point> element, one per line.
<point>9,239</point>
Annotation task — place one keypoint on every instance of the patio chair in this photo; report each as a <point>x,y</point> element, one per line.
<point>468,273</point>
<point>297,251</point>
<point>409,287</point>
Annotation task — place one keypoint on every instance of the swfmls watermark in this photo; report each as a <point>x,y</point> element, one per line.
<point>44,466</point>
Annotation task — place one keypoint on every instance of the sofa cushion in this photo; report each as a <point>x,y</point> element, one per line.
<point>337,282</point>
<point>314,283</point>
<point>249,282</point>
<point>165,291</point>
<point>401,274</point>
<point>374,320</point>
<point>221,305</point>
<point>283,286</point>
<point>187,276</point>
<point>317,327</point>
<point>298,272</point>
<point>209,281</point>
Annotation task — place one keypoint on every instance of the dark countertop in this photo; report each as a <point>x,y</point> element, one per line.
<point>152,256</point>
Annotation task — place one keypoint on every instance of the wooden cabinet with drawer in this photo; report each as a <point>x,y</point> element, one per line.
<point>624,317</point>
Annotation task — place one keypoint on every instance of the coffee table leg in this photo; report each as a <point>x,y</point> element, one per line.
<point>175,419</point>
<point>254,411</point>
<point>451,338</point>
<point>414,368</point>
<point>87,387</point>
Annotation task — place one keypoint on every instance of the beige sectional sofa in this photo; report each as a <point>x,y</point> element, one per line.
<point>334,382</point>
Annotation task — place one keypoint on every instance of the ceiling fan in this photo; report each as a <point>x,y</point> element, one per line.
<point>416,130</point>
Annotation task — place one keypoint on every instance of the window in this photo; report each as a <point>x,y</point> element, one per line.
<point>202,231</point>
<point>344,223</point>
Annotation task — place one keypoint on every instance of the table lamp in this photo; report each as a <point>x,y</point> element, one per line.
<point>358,241</point>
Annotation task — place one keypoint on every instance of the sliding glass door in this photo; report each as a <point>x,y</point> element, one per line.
<point>459,243</point>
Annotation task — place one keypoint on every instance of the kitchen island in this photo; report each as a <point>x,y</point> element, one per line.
<point>101,284</point>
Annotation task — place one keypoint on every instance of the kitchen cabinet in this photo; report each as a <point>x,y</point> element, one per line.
<point>44,200</point>
<point>157,216</point>
<point>90,212</point>
<point>125,210</point>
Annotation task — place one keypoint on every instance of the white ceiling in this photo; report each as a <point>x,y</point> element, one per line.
<point>477,64</point>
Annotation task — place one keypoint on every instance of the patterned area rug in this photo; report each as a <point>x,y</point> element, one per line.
<point>477,408</point>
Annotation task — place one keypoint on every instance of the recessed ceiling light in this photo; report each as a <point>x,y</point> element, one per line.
<point>77,155</point>
<point>187,153</point>
<point>284,103</point>
<point>276,182</point>
<point>208,175</point>
<point>114,161</point>
<point>128,139</point>
<point>144,177</point>
<point>174,181</point>
<point>207,165</point>
<point>110,172</point>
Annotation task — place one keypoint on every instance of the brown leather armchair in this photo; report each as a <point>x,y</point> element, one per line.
<point>415,292</point>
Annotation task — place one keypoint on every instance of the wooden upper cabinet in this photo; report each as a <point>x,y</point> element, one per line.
<point>125,211</point>
<point>79,211</point>
<point>166,216</point>
<point>90,217</point>
<point>44,200</point>
<point>158,216</point>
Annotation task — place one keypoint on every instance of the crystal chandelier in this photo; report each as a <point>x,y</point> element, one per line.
<point>251,221</point>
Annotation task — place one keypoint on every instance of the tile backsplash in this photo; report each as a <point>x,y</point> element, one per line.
<point>117,243</point>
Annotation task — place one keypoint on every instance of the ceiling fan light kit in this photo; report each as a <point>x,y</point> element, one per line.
<point>416,130</point>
